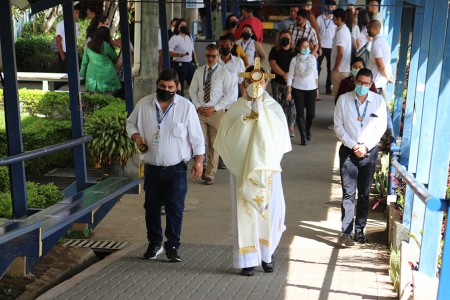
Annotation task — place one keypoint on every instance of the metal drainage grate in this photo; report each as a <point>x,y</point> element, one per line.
<point>101,246</point>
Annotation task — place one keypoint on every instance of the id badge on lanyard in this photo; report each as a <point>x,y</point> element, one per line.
<point>157,136</point>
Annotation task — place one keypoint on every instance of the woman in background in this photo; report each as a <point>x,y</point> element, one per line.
<point>97,66</point>
<point>182,51</point>
<point>279,59</point>
<point>251,46</point>
<point>302,86</point>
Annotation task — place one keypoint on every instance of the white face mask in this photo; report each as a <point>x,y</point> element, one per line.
<point>250,91</point>
<point>172,28</point>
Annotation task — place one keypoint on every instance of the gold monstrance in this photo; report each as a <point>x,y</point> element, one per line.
<point>256,75</point>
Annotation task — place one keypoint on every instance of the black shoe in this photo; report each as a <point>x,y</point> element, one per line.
<point>221,164</point>
<point>248,271</point>
<point>172,254</point>
<point>346,240</point>
<point>303,142</point>
<point>268,267</point>
<point>361,238</point>
<point>153,251</point>
<point>308,136</point>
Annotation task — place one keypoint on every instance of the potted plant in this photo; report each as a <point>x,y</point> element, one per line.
<point>110,143</point>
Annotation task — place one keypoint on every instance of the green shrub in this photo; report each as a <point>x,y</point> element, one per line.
<point>43,195</point>
<point>110,143</point>
<point>35,55</point>
<point>53,104</point>
<point>38,195</point>
<point>4,179</point>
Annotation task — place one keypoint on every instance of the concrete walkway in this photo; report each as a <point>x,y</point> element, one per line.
<point>309,265</point>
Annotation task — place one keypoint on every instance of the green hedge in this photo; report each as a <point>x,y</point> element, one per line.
<point>57,104</point>
<point>41,132</point>
<point>33,54</point>
<point>38,195</point>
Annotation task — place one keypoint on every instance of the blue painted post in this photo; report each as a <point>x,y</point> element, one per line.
<point>12,111</point>
<point>441,132</point>
<point>401,68</point>
<point>74,94</point>
<point>164,33</point>
<point>411,91</point>
<point>419,142</point>
<point>208,17</point>
<point>395,20</point>
<point>434,145</point>
<point>224,12</point>
<point>235,7</point>
<point>126,55</point>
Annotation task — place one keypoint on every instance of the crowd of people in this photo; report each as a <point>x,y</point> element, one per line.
<point>229,114</point>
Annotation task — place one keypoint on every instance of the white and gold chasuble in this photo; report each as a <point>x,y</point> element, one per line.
<point>252,149</point>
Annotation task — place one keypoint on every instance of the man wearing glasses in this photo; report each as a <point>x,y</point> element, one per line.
<point>360,120</point>
<point>211,91</point>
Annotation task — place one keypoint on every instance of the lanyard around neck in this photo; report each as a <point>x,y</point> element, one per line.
<point>158,115</point>
<point>246,46</point>
<point>361,118</point>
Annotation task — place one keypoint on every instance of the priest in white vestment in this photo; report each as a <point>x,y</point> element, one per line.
<point>251,140</point>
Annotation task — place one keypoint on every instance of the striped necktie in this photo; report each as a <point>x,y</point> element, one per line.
<point>207,87</point>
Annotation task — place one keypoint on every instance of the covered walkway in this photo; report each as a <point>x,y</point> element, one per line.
<point>308,263</point>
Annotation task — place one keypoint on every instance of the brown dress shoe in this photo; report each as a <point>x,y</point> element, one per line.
<point>209,181</point>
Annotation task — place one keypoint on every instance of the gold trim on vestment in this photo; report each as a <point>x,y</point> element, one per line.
<point>264,242</point>
<point>245,250</point>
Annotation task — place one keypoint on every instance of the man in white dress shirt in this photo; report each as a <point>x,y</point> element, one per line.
<point>379,59</point>
<point>61,42</point>
<point>341,51</point>
<point>360,120</point>
<point>327,29</point>
<point>168,125</point>
<point>233,64</point>
<point>211,92</point>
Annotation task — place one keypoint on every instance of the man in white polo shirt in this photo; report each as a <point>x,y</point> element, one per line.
<point>379,59</point>
<point>341,50</point>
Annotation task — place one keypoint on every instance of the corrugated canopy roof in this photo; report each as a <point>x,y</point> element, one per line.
<point>22,4</point>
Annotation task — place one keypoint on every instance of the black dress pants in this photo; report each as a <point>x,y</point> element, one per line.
<point>356,173</point>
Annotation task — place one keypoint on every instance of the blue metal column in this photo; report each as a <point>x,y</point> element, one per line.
<point>431,147</point>
<point>235,7</point>
<point>126,55</point>
<point>74,94</point>
<point>441,136</point>
<point>208,17</point>
<point>164,33</point>
<point>395,20</point>
<point>401,68</point>
<point>417,207</point>
<point>412,80</point>
<point>12,111</point>
<point>223,4</point>
<point>410,110</point>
